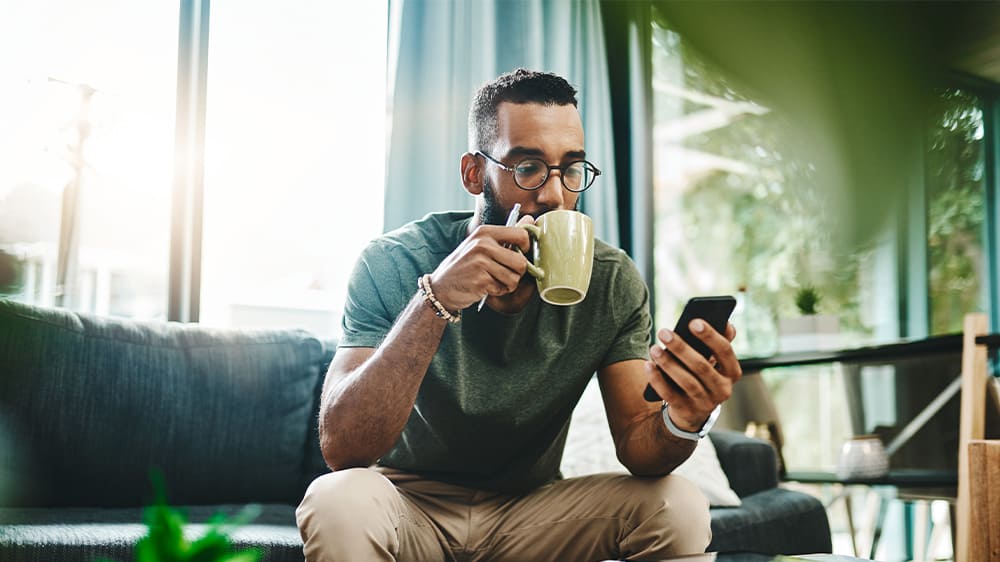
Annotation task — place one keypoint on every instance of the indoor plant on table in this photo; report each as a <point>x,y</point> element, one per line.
<point>810,331</point>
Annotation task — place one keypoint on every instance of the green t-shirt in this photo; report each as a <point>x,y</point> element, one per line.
<point>493,410</point>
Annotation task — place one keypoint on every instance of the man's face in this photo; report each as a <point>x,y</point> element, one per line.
<point>553,133</point>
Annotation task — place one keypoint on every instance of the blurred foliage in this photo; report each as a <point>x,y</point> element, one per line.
<point>853,129</point>
<point>955,209</point>
<point>165,541</point>
<point>779,231</point>
<point>849,76</point>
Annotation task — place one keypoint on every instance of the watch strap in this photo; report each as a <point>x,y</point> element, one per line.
<point>690,435</point>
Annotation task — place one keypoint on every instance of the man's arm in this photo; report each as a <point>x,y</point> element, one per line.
<point>642,441</point>
<point>369,393</point>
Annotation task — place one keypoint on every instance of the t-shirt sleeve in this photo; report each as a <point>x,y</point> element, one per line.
<point>630,310</point>
<point>372,300</point>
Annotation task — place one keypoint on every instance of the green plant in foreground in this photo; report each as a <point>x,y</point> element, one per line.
<point>165,540</point>
<point>807,299</point>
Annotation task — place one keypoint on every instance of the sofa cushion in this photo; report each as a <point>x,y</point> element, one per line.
<point>750,464</point>
<point>775,521</point>
<point>29,534</point>
<point>703,468</point>
<point>94,403</point>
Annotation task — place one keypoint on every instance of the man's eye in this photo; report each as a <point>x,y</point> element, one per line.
<point>528,168</point>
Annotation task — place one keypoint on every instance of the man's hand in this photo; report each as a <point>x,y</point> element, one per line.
<point>489,262</point>
<point>693,385</point>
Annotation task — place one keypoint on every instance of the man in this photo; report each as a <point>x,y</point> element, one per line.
<point>464,414</point>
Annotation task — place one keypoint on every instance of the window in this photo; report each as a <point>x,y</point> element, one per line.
<point>294,159</point>
<point>86,154</point>
<point>956,211</point>
<point>737,212</point>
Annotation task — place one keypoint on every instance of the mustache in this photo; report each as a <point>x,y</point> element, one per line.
<point>496,214</point>
<point>537,214</point>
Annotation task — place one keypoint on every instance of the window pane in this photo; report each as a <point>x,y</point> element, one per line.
<point>956,210</point>
<point>294,163</point>
<point>738,212</point>
<point>86,154</point>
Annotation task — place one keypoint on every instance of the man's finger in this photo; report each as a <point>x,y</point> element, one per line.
<point>679,374</point>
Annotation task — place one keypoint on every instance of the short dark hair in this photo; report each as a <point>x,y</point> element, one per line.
<point>517,86</point>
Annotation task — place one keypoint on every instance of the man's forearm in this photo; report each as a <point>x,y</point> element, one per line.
<point>648,449</point>
<point>363,413</point>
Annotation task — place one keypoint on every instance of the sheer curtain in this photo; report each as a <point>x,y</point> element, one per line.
<point>441,51</point>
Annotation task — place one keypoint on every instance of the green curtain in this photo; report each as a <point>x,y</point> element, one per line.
<point>441,51</point>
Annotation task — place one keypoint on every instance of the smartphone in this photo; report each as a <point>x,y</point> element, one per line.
<point>715,311</point>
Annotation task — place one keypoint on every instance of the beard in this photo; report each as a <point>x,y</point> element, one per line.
<point>493,211</point>
<point>496,214</point>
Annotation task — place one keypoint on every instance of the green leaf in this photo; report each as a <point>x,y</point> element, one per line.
<point>250,555</point>
<point>165,542</point>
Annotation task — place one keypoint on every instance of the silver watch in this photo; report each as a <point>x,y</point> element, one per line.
<point>692,435</point>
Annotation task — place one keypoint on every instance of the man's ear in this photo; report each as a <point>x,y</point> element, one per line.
<point>472,173</point>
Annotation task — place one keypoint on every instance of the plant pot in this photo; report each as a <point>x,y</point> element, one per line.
<point>815,332</point>
<point>862,456</point>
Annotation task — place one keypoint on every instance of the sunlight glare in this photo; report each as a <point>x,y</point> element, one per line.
<point>295,153</point>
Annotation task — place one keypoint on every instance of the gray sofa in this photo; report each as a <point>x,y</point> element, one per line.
<point>89,404</point>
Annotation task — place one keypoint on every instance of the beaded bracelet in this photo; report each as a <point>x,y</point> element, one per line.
<point>424,284</point>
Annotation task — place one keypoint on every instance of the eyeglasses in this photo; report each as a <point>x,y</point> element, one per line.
<point>532,173</point>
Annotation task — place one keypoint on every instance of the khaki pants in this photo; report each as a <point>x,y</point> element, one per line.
<point>362,515</point>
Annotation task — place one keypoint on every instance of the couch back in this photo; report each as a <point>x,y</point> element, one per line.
<point>88,405</point>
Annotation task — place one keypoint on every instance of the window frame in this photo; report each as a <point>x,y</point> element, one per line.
<point>914,266</point>
<point>184,287</point>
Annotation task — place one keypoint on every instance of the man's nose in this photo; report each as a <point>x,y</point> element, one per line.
<point>551,194</point>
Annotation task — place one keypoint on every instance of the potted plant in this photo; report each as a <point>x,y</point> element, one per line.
<point>806,300</point>
<point>810,331</point>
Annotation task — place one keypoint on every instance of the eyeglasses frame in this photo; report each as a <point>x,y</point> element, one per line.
<point>548,172</point>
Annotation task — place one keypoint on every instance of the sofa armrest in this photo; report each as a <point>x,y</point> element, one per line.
<point>750,464</point>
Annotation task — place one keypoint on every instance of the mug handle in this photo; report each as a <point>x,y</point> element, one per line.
<point>534,270</point>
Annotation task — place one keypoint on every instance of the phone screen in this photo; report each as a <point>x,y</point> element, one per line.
<point>715,311</point>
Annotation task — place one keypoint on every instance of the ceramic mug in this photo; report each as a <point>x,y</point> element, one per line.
<point>562,248</point>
